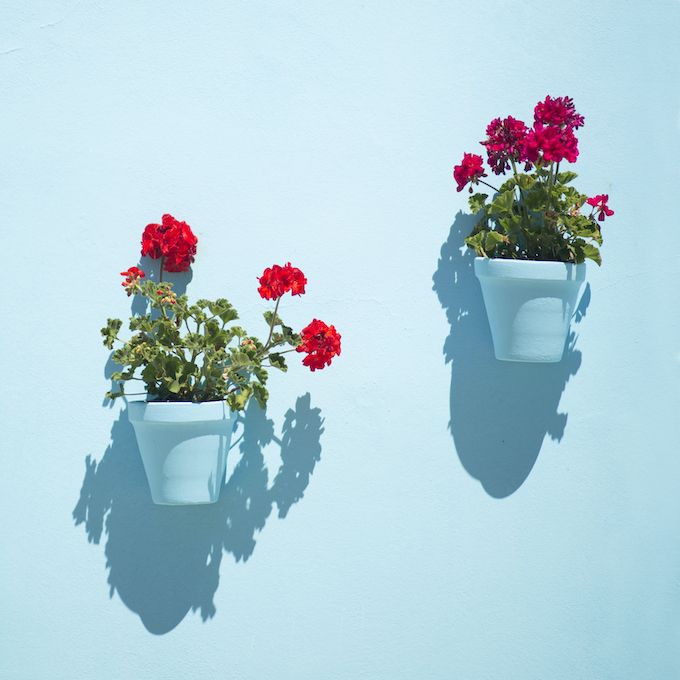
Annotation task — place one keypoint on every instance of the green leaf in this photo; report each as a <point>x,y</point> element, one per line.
<point>288,335</point>
<point>278,361</point>
<point>110,331</point>
<point>493,239</point>
<point>525,182</point>
<point>261,394</point>
<point>269,315</point>
<point>238,332</point>
<point>510,225</point>
<point>197,312</point>
<point>239,358</point>
<point>504,202</point>
<point>149,374</point>
<point>237,400</point>
<point>476,242</point>
<point>141,323</point>
<point>222,308</point>
<point>592,253</point>
<point>536,198</point>
<point>508,185</point>
<point>114,395</point>
<point>566,177</point>
<point>477,201</point>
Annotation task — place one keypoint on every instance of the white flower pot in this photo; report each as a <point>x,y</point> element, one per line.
<point>529,304</point>
<point>184,448</point>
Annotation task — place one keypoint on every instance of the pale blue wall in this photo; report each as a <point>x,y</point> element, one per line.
<point>538,540</point>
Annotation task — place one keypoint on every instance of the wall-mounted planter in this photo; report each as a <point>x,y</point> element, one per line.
<point>184,448</point>
<point>529,304</point>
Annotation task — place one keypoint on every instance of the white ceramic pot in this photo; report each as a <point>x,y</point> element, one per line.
<point>529,304</point>
<point>183,447</point>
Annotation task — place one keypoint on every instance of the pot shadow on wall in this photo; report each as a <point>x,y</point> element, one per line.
<point>164,560</point>
<point>500,411</point>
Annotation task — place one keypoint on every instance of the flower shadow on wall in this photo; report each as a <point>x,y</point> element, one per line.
<point>164,561</point>
<point>500,411</point>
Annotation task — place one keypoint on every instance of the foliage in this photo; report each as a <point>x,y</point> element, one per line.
<point>535,216</point>
<point>194,352</point>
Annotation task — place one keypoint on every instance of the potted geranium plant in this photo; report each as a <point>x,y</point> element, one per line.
<point>532,239</point>
<point>197,368</point>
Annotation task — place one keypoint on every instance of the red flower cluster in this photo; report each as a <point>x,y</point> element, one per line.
<point>470,170</point>
<point>504,142</point>
<point>551,139</point>
<point>132,275</point>
<point>552,142</point>
<point>172,240</point>
<point>558,111</point>
<point>552,136</point>
<point>600,207</point>
<point>276,281</point>
<point>321,343</point>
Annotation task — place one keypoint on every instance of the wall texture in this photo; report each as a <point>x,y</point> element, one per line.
<point>418,510</point>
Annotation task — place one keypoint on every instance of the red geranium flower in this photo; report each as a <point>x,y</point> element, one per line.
<point>171,239</point>
<point>558,111</point>
<point>551,142</point>
<point>276,281</point>
<point>132,275</point>
<point>504,142</point>
<point>600,207</point>
<point>152,239</point>
<point>321,342</point>
<point>470,170</point>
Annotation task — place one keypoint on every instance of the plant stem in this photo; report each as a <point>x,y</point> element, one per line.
<point>551,183</point>
<point>481,181</point>
<point>285,351</point>
<point>272,323</point>
<point>521,195</point>
<point>160,278</point>
<point>516,175</point>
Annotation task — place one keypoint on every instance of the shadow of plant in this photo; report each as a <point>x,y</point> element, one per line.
<point>164,561</point>
<point>500,411</point>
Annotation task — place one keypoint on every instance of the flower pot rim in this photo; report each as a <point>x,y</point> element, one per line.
<point>538,270</point>
<point>175,401</point>
<point>179,411</point>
